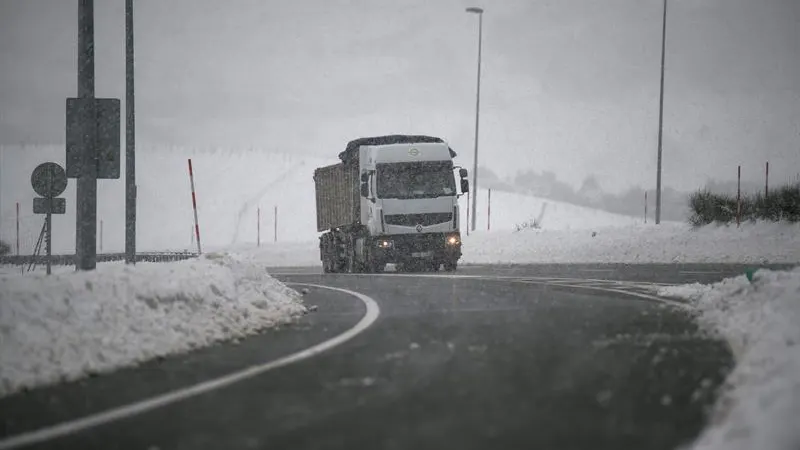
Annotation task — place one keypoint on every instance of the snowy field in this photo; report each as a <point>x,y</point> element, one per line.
<point>667,243</point>
<point>231,185</point>
<point>761,405</point>
<point>70,325</point>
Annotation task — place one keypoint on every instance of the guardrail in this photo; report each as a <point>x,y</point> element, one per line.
<point>67,260</point>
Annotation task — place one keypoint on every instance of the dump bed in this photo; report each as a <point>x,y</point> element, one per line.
<point>338,198</point>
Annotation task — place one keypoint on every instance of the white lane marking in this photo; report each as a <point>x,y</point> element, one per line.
<point>618,291</point>
<point>595,270</point>
<point>585,283</point>
<point>699,272</point>
<point>123,412</point>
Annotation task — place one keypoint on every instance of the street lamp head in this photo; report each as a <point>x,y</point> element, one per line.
<point>475,10</point>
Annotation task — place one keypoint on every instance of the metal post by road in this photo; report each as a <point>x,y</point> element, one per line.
<point>86,204</point>
<point>479,12</point>
<point>17,246</point>
<point>1,193</point>
<point>130,141</point>
<point>49,224</point>
<point>661,114</point>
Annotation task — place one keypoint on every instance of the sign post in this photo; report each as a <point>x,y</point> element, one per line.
<point>48,180</point>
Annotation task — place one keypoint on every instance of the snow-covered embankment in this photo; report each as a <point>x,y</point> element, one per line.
<point>761,320</point>
<point>67,326</point>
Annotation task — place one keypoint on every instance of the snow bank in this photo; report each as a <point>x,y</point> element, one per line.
<point>665,243</point>
<point>761,320</point>
<point>67,326</point>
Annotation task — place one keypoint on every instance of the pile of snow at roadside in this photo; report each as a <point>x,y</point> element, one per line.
<point>761,320</point>
<point>67,326</point>
<point>665,243</point>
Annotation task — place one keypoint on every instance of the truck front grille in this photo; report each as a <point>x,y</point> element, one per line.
<point>411,220</point>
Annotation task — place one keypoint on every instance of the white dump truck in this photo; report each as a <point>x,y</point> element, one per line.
<point>391,200</point>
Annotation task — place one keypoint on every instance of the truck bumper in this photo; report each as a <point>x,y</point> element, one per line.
<point>404,248</point>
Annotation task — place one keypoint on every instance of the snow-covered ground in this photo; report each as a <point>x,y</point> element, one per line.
<point>665,243</point>
<point>761,321</point>
<point>69,325</point>
<point>759,243</point>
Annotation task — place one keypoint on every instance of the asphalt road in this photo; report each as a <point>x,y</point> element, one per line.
<point>497,357</point>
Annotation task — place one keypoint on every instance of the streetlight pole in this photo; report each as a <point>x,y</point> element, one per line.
<point>661,115</point>
<point>479,12</point>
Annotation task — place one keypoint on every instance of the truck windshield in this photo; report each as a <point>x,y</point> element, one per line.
<point>415,180</point>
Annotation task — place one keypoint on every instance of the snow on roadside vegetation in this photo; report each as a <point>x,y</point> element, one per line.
<point>67,326</point>
<point>761,320</point>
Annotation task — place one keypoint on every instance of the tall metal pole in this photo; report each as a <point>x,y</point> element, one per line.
<point>479,12</point>
<point>130,141</point>
<point>17,228</point>
<point>661,114</point>
<point>86,207</point>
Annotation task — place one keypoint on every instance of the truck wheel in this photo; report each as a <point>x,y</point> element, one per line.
<point>377,267</point>
<point>326,265</point>
<point>451,266</point>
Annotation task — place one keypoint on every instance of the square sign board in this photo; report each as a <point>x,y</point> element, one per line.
<point>93,124</point>
<point>42,205</point>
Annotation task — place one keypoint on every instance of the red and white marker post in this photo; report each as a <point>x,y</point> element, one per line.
<point>194,207</point>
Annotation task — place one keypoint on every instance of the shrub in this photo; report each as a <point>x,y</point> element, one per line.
<point>532,223</point>
<point>782,204</point>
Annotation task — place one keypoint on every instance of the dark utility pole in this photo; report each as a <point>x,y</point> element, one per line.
<point>86,208</point>
<point>130,141</point>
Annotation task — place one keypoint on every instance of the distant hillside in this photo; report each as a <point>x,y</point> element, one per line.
<point>231,185</point>
<point>590,194</point>
<point>512,210</point>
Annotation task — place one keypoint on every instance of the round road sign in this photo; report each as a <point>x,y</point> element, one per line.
<point>49,179</point>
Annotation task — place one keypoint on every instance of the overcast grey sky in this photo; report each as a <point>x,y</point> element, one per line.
<point>569,86</point>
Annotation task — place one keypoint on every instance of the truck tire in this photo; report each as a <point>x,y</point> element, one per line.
<point>326,265</point>
<point>450,266</point>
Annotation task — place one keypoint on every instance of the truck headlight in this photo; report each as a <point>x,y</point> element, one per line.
<point>385,243</point>
<point>453,240</point>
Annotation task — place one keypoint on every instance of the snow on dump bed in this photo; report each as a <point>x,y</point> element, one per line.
<point>66,326</point>
<point>761,320</point>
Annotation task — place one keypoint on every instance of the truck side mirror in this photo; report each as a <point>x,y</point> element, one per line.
<point>464,186</point>
<point>365,189</point>
<point>462,173</point>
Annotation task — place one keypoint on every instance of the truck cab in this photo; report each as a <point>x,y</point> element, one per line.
<point>407,210</point>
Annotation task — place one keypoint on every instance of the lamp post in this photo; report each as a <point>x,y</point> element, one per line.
<point>661,115</point>
<point>479,12</point>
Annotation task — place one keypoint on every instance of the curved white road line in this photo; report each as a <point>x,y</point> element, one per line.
<point>123,412</point>
<point>545,281</point>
